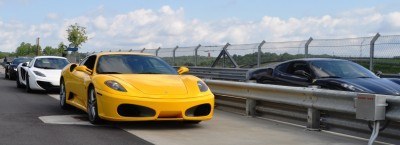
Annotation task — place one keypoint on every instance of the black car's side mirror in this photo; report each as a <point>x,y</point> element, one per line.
<point>302,73</point>
<point>25,64</point>
<point>378,73</point>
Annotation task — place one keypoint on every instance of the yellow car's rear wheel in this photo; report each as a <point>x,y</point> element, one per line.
<point>93,113</point>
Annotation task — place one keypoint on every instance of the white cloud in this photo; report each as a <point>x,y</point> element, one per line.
<point>168,27</point>
<point>52,16</point>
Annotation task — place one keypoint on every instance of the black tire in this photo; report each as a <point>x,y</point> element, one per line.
<point>6,75</point>
<point>63,97</point>
<point>92,109</point>
<point>19,85</point>
<point>28,87</point>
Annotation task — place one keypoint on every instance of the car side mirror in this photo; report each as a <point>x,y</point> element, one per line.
<point>8,63</point>
<point>302,73</point>
<point>378,73</point>
<point>183,70</point>
<point>84,69</point>
<point>25,64</point>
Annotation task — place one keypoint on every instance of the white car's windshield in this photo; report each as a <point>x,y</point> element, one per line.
<point>50,63</point>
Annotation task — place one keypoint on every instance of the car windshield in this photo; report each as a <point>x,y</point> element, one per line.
<point>340,69</point>
<point>51,63</point>
<point>132,64</point>
<point>21,60</point>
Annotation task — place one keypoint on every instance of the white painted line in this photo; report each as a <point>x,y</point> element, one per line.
<point>55,96</point>
<point>65,119</point>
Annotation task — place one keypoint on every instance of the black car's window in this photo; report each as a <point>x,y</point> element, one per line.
<point>132,64</point>
<point>21,60</point>
<point>298,65</point>
<point>340,69</point>
<point>283,67</point>
<point>89,63</point>
<point>50,63</point>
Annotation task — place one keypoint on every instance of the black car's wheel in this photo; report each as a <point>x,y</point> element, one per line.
<point>6,74</point>
<point>92,110</point>
<point>63,96</point>
<point>19,85</point>
<point>28,87</point>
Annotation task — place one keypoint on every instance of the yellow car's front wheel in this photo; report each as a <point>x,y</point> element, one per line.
<point>92,110</point>
<point>63,96</point>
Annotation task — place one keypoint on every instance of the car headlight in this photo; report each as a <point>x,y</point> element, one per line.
<point>15,69</point>
<point>115,85</point>
<point>352,88</point>
<point>39,74</point>
<point>202,86</point>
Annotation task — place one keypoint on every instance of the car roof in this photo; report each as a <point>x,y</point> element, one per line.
<point>49,57</point>
<point>316,59</point>
<point>132,53</point>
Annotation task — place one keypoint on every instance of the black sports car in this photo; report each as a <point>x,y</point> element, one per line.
<point>11,69</point>
<point>326,73</point>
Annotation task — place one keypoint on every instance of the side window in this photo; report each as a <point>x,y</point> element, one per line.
<point>283,67</point>
<point>298,65</point>
<point>89,63</point>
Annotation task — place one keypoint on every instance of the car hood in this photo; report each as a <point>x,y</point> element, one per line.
<point>49,73</point>
<point>372,85</point>
<point>156,84</point>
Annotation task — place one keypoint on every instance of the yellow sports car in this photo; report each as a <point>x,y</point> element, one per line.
<point>122,86</point>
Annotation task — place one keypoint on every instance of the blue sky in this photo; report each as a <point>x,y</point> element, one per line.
<point>167,23</point>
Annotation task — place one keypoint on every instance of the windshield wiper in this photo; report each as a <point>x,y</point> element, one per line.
<point>110,73</point>
<point>331,77</point>
<point>364,77</point>
<point>46,67</point>
<point>149,73</point>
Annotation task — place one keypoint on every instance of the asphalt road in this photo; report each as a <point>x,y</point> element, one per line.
<point>36,118</point>
<point>19,122</point>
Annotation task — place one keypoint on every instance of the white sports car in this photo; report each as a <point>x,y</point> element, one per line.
<point>42,73</point>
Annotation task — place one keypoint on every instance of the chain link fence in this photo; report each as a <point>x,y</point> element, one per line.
<point>378,53</point>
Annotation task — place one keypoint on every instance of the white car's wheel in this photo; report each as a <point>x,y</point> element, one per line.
<point>28,87</point>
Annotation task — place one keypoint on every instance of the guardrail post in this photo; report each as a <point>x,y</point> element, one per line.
<point>371,51</point>
<point>306,47</point>
<point>313,119</point>
<point>259,53</point>
<point>141,51</point>
<point>251,107</point>
<point>173,55</point>
<point>196,55</point>
<point>158,49</point>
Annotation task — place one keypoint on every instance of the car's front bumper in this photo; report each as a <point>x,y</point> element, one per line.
<point>109,107</point>
<point>44,83</point>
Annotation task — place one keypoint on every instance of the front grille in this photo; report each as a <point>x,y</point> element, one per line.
<point>46,85</point>
<point>200,110</point>
<point>130,110</point>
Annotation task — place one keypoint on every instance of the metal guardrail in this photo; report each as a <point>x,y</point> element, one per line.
<point>313,107</point>
<point>232,74</point>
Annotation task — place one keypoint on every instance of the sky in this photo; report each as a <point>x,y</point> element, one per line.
<point>135,24</point>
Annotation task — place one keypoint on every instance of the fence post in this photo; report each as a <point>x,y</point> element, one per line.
<point>259,53</point>
<point>251,107</point>
<point>195,54</point>
<point>173,55</point>
<point>141,51</point>
<point>313,119</point>
<point>158,49</point>
<point>372,50</point>
<point>306,47</point>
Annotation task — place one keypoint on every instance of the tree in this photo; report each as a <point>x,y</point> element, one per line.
<point>77,35</point>
<point>60,49</point>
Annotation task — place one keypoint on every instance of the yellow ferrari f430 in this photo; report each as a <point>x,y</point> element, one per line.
<point>122,86</point>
